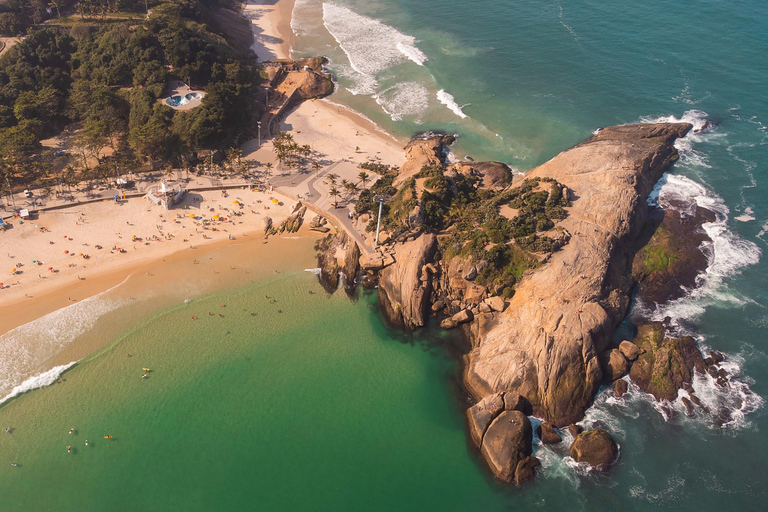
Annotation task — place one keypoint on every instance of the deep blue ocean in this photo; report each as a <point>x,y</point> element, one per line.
<point>520,81</point>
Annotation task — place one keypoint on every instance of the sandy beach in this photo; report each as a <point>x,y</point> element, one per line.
<point>66,256</point>
<point>70,254</point>
<point>271,25</point>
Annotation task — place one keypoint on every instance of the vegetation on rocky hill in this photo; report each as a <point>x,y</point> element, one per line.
<point>468,220</point>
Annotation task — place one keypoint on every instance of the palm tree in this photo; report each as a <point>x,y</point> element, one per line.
<point>332,178</point>
<point>363,177</point>
<point>334,192</point>
<point>316,166</point>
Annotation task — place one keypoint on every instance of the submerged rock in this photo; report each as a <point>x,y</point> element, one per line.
<point>595,447</point>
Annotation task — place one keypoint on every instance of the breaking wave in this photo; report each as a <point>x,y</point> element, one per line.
<point>38,381</point>
<point>370,46</point>
<point>24,349</point>
<point>404,99</point>
<point>449,101</point>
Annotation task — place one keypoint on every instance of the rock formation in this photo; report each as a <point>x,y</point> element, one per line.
<point>404,287</point>
<point>545,344</point>
<point>672,259</point>
<point>595,447</point>
<point>337,255</point>
<point>667,364</point>
<point>422,152</point>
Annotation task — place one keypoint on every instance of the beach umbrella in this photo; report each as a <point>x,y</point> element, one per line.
<point>191,215</point>
<point>50,268</point>
<point>235,202</point>
<point>217,216</point>
<point>66,252</point>
<point>274,201</point>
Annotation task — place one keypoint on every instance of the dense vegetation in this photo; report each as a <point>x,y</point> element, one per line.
<point>469,221</point>
<point>104,79</point>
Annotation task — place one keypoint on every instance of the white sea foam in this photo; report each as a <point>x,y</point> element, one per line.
<point>449,101</point>
<point>747,216</point>
<point>727,253</point>
<point>304,18</point>
<point>404,99</point>
<point>315,271</point>
<point>370,45</point>
<point>28,346</point>
<point>38,381</point>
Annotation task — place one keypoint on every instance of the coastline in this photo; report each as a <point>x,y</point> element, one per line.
<point>334,131</point>
<point>271,26</point>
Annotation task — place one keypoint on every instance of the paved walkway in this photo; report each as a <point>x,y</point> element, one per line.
<point>305,185</point>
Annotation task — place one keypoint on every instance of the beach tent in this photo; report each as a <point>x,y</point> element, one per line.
<point>24,214</point>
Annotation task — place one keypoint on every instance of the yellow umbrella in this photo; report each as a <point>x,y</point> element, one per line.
<point>191,215</point>
<point>216,216</point>
<point>235,202</point>
<point>274,201</point>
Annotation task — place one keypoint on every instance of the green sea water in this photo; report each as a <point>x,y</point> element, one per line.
<point>309,404</point>
<point>322,407</point>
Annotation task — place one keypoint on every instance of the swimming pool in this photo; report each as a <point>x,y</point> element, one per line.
<point>178,101</point>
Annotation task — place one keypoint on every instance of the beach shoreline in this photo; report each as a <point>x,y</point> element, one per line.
<point>56,255</point>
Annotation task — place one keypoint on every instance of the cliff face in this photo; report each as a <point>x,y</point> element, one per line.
<point>404,287</point>
<point>545,345</point>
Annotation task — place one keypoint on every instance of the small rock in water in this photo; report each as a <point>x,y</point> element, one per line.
<point>620,388</point>
<point>595,447</point>
<point>688,407</point>
<point>548,435</point>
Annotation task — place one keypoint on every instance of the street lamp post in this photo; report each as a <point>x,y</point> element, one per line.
<point>380,200</point>
<point>258,123</point>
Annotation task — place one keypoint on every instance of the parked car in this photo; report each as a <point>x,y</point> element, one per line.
<point>28,193</point>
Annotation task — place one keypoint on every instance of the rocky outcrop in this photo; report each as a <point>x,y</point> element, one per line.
<point>629,350</point>
<point>422,152</point>
<point>492,175</point>
<point>338,255</point>
<point>545,344</point>
<point>672,259</point>
<point>404,286</point>
<point>548,434</point>
<point>666,364</point>
<point>595,447</point>
<point>507,444</point>
<point>613,364</point>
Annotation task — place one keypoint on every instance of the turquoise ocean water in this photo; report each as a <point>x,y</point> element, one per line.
<point>322,407</point>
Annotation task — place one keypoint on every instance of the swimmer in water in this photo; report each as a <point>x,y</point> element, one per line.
<point>71,431</point>
<point>86,442</point>
<point>69,449</point>
<point>144,376</point>
<point>14,464</point>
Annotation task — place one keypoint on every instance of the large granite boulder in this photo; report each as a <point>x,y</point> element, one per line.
<point>506,443</point>
<point>545,344</point>
<point>614,365</point>
<point>403,294</point>
<point>629,350</point>
<point>595,447</point>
